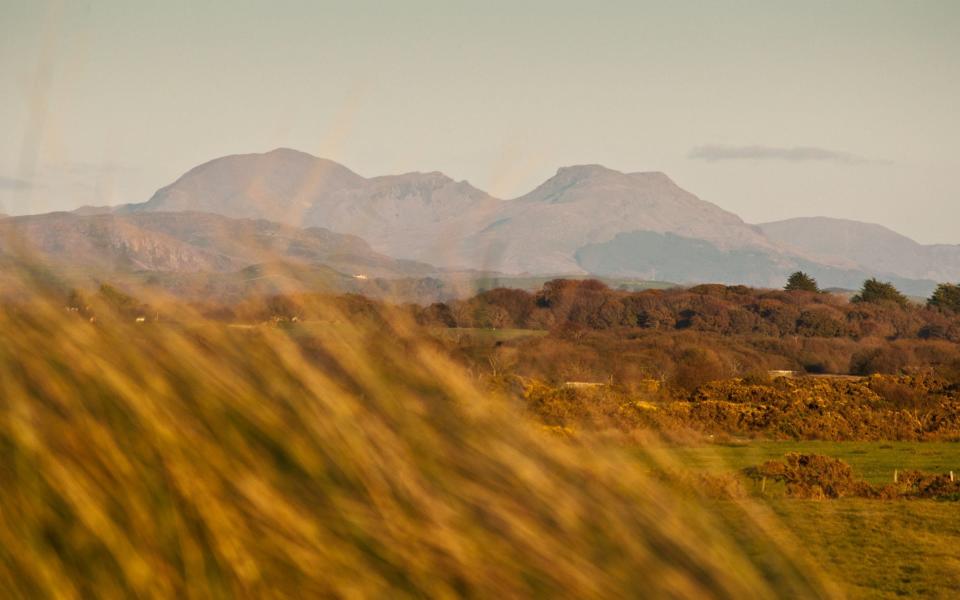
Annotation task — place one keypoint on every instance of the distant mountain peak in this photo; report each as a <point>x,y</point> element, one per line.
<point>282,151</point>
<point>656,177</point>
<point>429,176</point>
<point>588,170</point>
<point>593,172</point>
<point>286,158</point>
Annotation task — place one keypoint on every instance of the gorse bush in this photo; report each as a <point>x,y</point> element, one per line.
<point>352,459</point>
<point>812,476</point>
<point>818,476</point>
<point>916,408</point>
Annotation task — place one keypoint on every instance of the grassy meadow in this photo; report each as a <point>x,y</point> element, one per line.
<point>871,548</point>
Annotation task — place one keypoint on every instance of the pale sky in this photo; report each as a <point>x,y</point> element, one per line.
<point>769,109</point>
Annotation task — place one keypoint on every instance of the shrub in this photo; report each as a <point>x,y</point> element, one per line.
<point>888,360</point>
<point>812,476</point>
<point>697,366</point>
<point>817,476</point>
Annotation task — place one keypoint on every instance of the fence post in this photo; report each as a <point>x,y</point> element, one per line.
<point>951,476</point>
<point>763,485</point>
<point>895,475</point>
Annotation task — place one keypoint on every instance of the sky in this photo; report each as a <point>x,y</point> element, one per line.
<point>769,109</point>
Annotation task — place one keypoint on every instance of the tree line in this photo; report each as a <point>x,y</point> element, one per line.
<point>801,309</point>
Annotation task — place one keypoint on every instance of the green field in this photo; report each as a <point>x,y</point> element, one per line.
<point>873,548</point>
<point>870,548</point>
<point>873,461</point>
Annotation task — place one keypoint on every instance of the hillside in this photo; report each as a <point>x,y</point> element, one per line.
<point>873,247</point>
<point>188,242</point>
<point>669,257</point>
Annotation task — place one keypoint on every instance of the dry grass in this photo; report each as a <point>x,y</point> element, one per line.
<point>164,460</point>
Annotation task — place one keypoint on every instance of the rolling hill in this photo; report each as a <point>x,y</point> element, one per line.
<point>871,247</point>
<point>669,257</point>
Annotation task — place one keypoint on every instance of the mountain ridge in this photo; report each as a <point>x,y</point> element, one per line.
<point>430,217</point>
<point>570,224</point>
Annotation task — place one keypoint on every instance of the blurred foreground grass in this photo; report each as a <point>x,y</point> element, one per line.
<point>165,460</point>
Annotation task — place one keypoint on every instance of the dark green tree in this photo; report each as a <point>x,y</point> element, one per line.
<point>875,291</point>
<point>801,282</point>
<point>946,297</point>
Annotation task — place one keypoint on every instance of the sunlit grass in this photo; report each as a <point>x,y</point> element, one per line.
<point>875,549</point>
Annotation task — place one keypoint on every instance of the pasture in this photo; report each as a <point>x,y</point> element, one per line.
<point>873,461</point>
<point>870,548</point>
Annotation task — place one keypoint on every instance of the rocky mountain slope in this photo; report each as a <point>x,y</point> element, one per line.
<point>187,242</point>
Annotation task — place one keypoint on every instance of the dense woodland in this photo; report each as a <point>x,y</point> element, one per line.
<point>693,335</point>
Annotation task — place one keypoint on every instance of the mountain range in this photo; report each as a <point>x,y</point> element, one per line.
<point>238,211</point>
